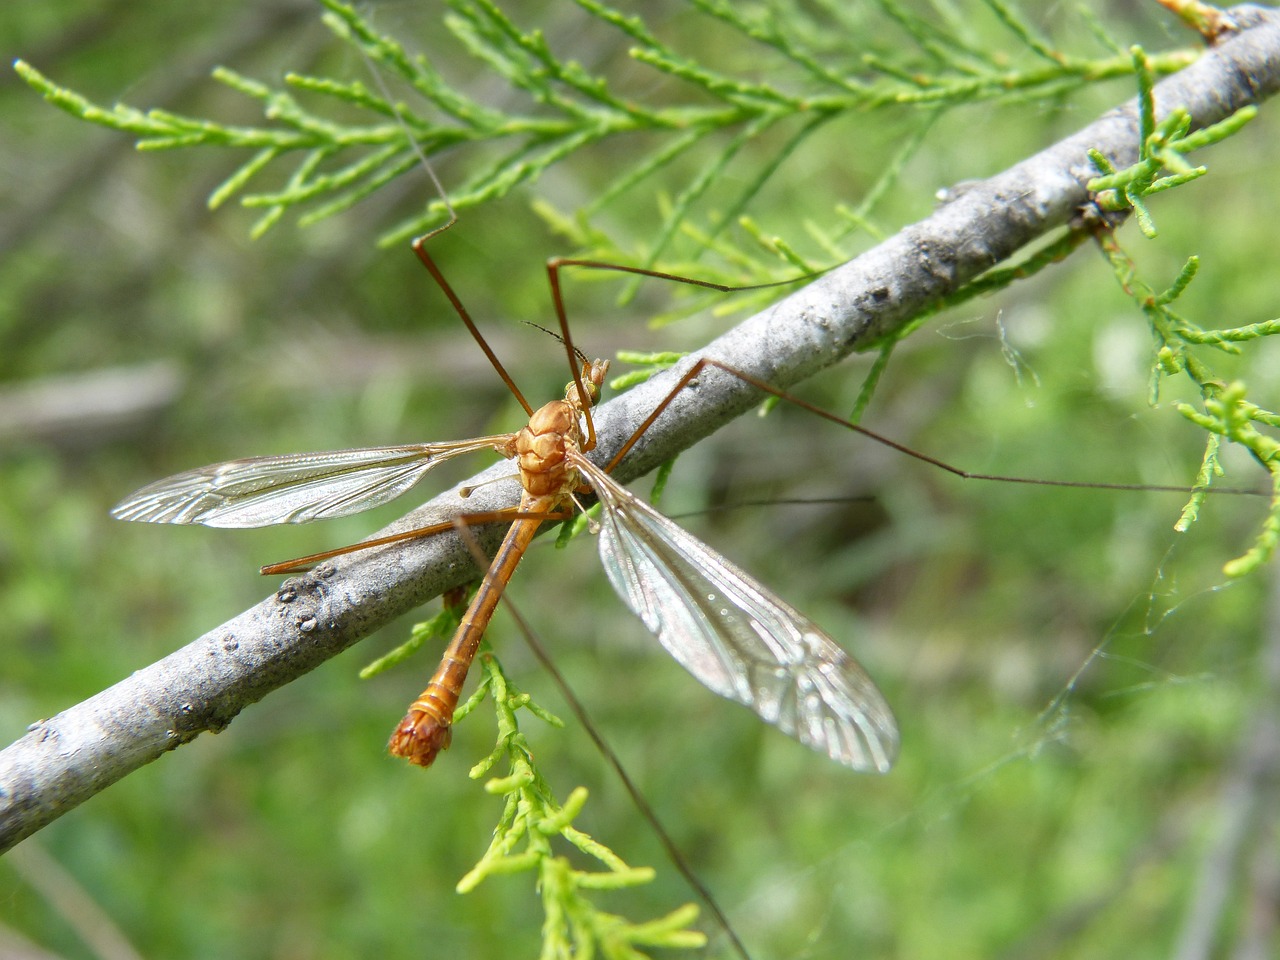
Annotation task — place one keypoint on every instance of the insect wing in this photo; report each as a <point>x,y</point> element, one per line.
<point>737,638</point>
<point>294,488</point>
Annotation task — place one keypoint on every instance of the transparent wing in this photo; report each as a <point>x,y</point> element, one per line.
<point>293,488</point>
<point>736,637</point>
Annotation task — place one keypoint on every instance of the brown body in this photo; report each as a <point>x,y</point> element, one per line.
<point>541,451</point>
<point>728,630</point>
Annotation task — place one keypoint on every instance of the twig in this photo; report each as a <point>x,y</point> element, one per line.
<point>63,761</point>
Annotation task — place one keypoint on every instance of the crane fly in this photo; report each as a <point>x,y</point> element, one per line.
<point>732,633</point>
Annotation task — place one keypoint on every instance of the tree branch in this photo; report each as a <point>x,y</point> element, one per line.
<point>65,760</point>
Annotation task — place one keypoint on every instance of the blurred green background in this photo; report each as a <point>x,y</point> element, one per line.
<point>1075,683</point>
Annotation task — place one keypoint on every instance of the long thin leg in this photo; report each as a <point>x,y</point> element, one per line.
<point>418,533</point>
<point>555,264</point>
<point>638,798</point>
<point>419,247</point>
<point>705,362</point>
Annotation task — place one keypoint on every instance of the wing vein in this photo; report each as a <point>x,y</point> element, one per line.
<point>736,637</point>
<point>292,488</point>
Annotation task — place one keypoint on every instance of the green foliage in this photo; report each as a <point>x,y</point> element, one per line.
<point>439,627</point>
<point>1161,146</point>
<point>1225,414</point>
<point>531,816</point>
<point>573,926</point>
<point>342,163</point>
<point>1087,604</point>
<point>648,363</point>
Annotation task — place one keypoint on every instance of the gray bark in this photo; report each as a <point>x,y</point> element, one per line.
<point>66,759</point>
